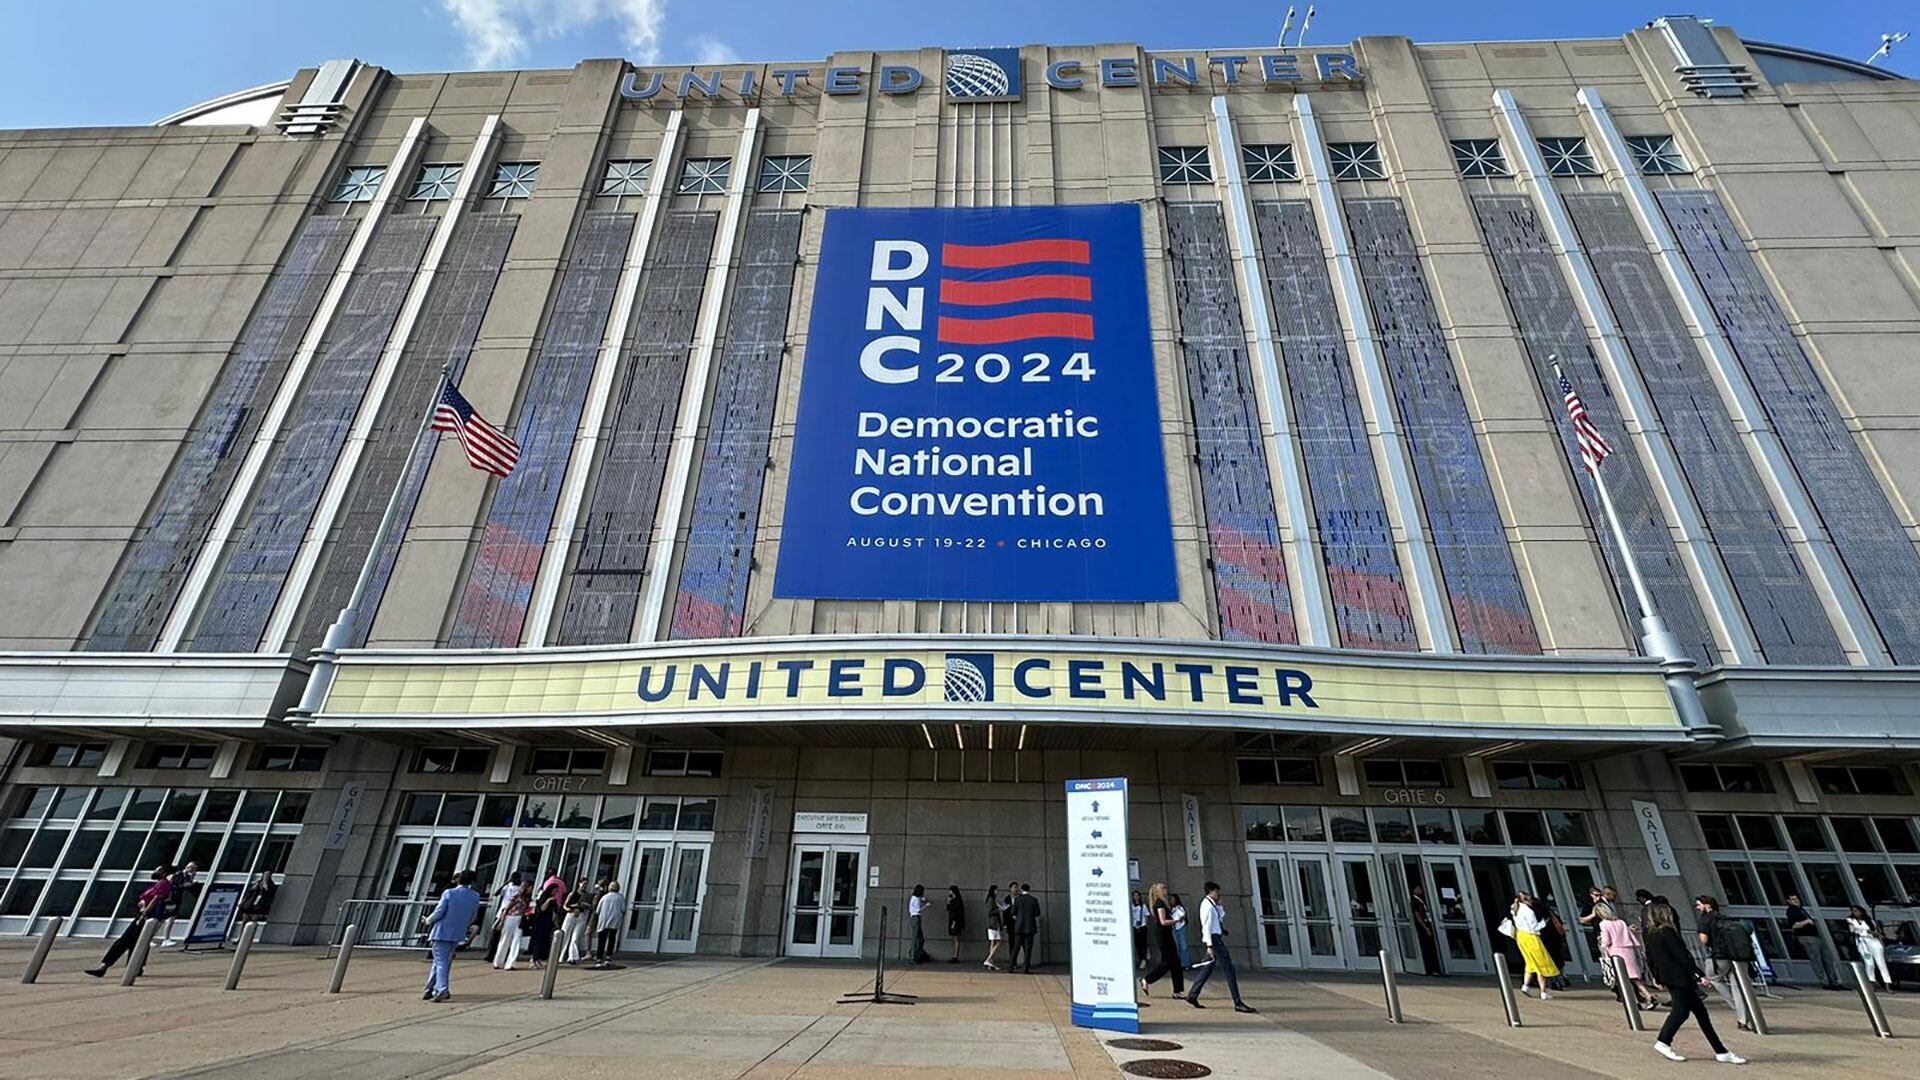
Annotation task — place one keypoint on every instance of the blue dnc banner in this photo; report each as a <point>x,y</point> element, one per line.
<point>978,416</point>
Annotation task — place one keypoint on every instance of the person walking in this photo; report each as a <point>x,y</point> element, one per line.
<point>1026,925</point>
<point>1869,944</point>
<point>1525,925</point>
<point>1806,931</point>
<point>1180,929</point>
<point>1617,938</point>
<point>1423,929</point>
<point>574,930</point>
<point>257,900</point>
<point>1162,925</point>
<point>511,889</point>
<point>956,920</point>
<point>151,905</point>
<point>509,928</point>
<point>1213,934</point>
<point>453,921</point>
<point>609,914</point>
<point>993,917</point>
<point>180,901</point>
<point>1671,963</point>
<point>1728,942</point>
<point>1141,916</point>
<point>548,904</point>
<point>916,909</point>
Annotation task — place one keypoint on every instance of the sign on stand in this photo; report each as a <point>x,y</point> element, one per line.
<point>1102,926</point>
<point>215,919</point>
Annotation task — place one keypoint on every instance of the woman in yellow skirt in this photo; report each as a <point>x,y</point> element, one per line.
<point>1527,925</point>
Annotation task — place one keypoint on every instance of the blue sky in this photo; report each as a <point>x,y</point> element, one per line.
<point>90,62</point>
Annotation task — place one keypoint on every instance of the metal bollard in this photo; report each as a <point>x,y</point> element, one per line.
<point>1870,998</point>
<point>137,963</point>
<point>1743,986</point>
<point>347,938</point>
<point>553,967</point>
<point>1628,999</point>
<point>41,950</point>
<point>240,951</point>
<point>1387,979</point>
<point>1507,1000</point>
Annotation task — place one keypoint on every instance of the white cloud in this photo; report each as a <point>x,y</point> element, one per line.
<point>711,50</point>
<point>498,31</point>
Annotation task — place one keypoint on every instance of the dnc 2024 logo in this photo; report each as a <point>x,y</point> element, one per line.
<point>983,75</point>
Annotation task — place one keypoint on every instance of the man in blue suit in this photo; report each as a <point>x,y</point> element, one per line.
<point>447,927</point>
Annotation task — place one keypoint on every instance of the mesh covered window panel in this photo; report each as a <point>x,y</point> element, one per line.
<point>717,553</point>
<point>1550,326</point>
<point>493,605</point>
<point>268,534</point>
<point>610,546</point>
<point>1369,596</point>
<point>1243,529</point>
<point>449,324</point>
<point>1489,606</point>
<point>1785,612</point>
<point>1849,498</point>
<point>134,611</point>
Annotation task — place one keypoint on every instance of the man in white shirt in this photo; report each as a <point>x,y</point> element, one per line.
<point>1213,918</point>
<point>610,915</point>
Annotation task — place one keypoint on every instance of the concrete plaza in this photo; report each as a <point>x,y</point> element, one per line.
<point>756,1019</point>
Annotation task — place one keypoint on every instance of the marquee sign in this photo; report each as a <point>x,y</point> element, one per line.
<point>978,413</point>
<point>996,74</point>
<point>1009,678</point>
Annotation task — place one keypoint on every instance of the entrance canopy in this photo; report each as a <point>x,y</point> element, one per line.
<point>920,685</point>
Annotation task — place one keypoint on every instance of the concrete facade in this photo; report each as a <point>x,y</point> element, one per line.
<point>1737,297</point>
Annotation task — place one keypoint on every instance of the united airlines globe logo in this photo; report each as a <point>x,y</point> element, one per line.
<point>969,677</point>
<point>983,75</point>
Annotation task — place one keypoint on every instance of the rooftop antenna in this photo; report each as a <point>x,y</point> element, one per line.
<point>1304,23</point>
<point>1887,42</point>
<point>1286,26</point>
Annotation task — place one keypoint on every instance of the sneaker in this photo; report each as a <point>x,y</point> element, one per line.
<point>97,972</point>
<point>1668,1052</point>
<point>1144,990</point>
<point>1730,1058</point>
<point>1544,996</point>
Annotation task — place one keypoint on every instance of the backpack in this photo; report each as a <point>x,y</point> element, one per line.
<point>1735,939</point>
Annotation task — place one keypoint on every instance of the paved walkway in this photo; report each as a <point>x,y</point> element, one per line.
<point>751,1019</point>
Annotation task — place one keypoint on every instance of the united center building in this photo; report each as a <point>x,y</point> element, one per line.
<point>904,434</point>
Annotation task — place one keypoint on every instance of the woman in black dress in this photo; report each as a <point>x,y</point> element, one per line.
<point>956,920</point>
<point>1671,963</point>
<point>1160,925</point>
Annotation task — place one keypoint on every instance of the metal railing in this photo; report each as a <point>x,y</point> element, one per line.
<point>388,924</point>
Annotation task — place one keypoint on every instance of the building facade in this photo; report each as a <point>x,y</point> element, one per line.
<point>1227,453</point>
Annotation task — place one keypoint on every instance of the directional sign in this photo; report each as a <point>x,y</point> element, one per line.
<point>1101,937</point>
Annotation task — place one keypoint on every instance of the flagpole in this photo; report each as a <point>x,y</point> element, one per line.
<point>340,634</point>
<point>1655,639</point>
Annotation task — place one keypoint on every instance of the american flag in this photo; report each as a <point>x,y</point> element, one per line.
<point>488,448</point>
<point>1593,448</point>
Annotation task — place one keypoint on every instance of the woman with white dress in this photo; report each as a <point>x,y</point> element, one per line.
<point>1869,944</point>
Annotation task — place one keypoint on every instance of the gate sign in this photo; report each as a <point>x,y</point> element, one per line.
<point>1102,918</point>
<point>979,417</point>
<point>216,915</point>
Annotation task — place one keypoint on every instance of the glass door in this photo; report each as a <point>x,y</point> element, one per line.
<point>1571,879</point>
<point>443,869</point>
<point>1272,912</point>
<point>1314,900</point>
<point>1495,879</point>
<point>1402,873</point>
<point>644,899</point>
<point>828,887</point>
<point>405,872</point>
<point>1453,922</point>
<point>608,861</point>
<point>687,890</point>
<point>1360,899</point>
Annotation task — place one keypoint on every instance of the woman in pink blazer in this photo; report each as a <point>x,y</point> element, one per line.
<point>1619,938</point>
